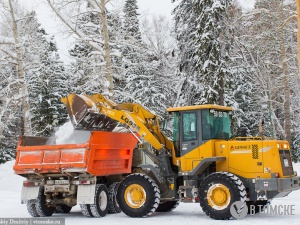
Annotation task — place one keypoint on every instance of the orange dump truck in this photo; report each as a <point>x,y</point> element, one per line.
<point>60,176</point>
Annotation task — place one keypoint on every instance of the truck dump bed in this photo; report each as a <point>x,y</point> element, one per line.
<point>106,153</point>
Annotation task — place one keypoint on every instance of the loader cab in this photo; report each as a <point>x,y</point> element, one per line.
<point>195,125</point>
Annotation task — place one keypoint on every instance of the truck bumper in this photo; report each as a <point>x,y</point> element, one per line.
<point>276,187</point>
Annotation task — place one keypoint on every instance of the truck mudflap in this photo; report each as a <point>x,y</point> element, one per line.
<point>280,186</point>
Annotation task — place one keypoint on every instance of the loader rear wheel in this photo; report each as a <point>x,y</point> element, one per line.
<point>217,193</point>
<point>100,208</point>
<point>138,195</point>
<point>86,210</point>
<point>42,207</point>
<point>167,206</point>
<point>31,208</point>
<point>113,205</point>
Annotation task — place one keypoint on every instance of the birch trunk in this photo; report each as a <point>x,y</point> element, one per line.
<point>286,88</point>
<point>99,6</point>
<point>106,48</point>
<point>23,90</point>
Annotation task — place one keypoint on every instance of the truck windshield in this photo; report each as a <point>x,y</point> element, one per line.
<point>215,124</point>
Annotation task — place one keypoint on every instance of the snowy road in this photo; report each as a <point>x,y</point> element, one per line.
<point>185,214</point>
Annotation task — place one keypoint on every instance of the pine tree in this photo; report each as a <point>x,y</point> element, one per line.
<point>212,50</point>
<point>47,80</point>
<point>88,64</point>
<point>145,82</point>
<point>185,26</point>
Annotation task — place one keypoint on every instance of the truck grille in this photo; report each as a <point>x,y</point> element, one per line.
<point>286,162</point>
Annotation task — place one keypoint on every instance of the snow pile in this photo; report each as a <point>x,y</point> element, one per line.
<point>67,135</point>
<point>64,132</point>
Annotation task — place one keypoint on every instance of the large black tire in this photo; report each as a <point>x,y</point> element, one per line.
<point>167,206</point>
<point>218,192</point>
<point>41,206</point>
<point>100,208</point>
<point>63,209</point>
<point>258,206</point>
<point>86,210</point>
<point>113,205</point>
<point>138,195</point>
<point>31,208</point>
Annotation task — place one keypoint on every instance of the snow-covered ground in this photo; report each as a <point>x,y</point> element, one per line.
<point>189,214</point>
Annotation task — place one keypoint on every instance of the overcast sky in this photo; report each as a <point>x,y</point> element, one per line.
<point>146,7</point>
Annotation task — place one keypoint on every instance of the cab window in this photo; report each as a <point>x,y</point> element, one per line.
<point>215,124</point>
<point>189,126</point>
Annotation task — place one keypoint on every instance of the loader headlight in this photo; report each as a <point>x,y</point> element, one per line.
<point>278,146</point>
<point>285,146</point>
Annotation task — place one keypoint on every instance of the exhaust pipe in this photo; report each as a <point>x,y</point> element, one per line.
<point>261,129</point>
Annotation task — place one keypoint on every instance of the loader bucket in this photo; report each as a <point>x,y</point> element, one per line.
<point>84,114</point>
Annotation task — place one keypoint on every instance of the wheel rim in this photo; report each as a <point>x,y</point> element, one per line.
<point>218,196</point>
<point>103,200</point>
<point>135,196</point>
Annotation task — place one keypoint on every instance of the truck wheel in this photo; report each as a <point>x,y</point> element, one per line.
<point>217,193</point>
<point>63,209</point>
<point>167,206</point>
<point>86,210</point>
<point>138,195</point>
<point>31,208</point>
<point>113,205</point>
<point>42,207</point>
<point>100,208</point>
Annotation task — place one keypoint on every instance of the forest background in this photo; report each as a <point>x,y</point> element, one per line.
<point>212,51</point>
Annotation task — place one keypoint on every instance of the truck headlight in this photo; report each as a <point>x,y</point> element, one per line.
<point>285,146</point>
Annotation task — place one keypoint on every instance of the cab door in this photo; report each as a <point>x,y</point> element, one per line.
<point>189,134</point>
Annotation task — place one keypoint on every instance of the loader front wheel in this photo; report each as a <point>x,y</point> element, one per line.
<point>138,195</point>
<point>218,192</point>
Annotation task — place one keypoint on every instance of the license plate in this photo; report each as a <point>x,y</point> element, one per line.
<point>61,182</point>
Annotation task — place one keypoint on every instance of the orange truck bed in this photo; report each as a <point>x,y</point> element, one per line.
<point>106,153</point>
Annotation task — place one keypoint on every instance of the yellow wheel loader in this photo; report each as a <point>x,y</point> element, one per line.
<point>201,164</point>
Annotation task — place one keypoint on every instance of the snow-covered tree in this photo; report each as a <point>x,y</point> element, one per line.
<point>14,110</point>
<point>87,67</point>
<point>268,44</point>
<point>89,31</point>
<point>161,50</point>
<point>147,60</point>
<point>14,23</point>
<point>185,27</point>
<point>40,62</point>
<point>211,42</point>
<point>48,82</point>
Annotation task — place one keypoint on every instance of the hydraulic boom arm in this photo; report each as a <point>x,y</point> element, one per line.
<point>95,112</point>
